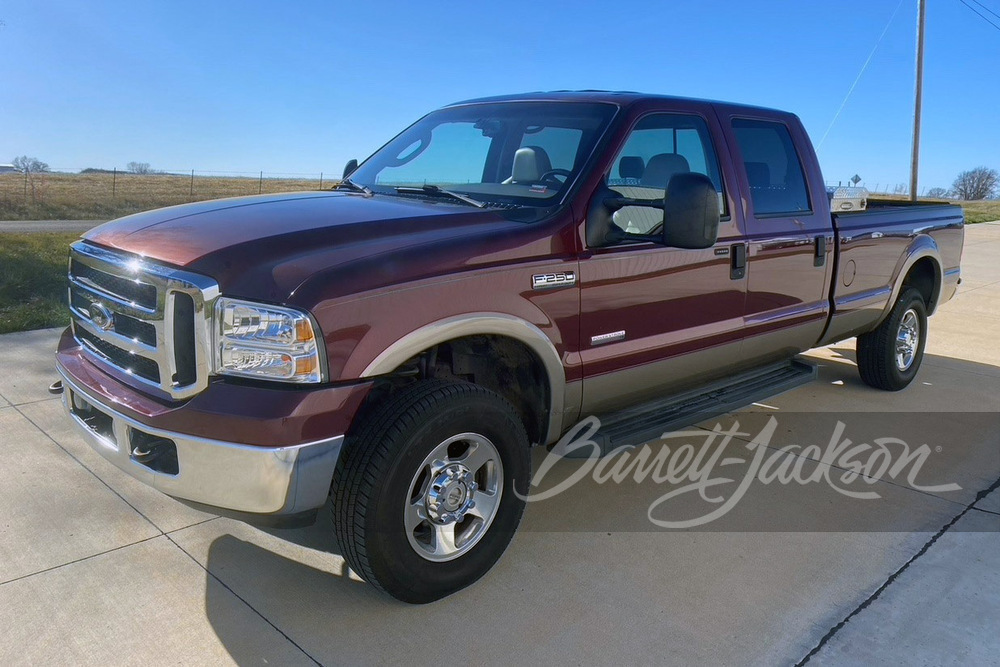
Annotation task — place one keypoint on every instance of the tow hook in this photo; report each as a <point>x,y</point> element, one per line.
<point>149,451</point>
<point>56,387</point>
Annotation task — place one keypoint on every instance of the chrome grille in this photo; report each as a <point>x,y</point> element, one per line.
<point>147,324</point>
<point>134,364</point>
<point>134,291</point>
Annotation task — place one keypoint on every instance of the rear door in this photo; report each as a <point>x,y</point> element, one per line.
<point>790,235</point>
<point>655,318</point>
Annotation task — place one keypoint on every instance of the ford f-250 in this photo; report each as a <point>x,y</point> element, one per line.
<point>500,269</point>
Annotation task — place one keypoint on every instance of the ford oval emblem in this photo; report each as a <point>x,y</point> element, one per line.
<point>102,318</point>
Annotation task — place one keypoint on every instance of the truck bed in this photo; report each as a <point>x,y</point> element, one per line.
<point>875,246</point>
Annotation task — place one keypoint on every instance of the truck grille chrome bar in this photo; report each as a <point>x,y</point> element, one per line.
<point>150,325</point>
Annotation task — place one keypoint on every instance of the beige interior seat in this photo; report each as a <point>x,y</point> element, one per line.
<point>530,163</point>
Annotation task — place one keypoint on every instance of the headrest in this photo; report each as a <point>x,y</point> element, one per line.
<point>661,167</point>
<point>530,163</point>
<point>631,166</point>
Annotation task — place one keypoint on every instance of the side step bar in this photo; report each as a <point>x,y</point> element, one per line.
<point>650,420</point>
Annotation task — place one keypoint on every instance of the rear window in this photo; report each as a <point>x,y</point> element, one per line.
<point>773,168</point>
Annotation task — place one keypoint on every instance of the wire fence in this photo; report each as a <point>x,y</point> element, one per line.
<point>97,194</point>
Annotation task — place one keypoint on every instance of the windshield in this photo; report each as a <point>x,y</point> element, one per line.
<point>523,153</point>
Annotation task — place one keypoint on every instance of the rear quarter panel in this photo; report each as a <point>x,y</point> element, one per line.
<point>875,250</point>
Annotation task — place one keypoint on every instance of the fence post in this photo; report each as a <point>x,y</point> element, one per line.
<point>260,183</point>
<point>114,182</point>
<point>321,180</point>
<point>192,184</point>
<point>26,186</point>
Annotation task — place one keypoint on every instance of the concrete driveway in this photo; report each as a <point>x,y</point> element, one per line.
<point>95,568</point>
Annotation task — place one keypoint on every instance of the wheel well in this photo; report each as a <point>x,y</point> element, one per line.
<point>499,363</point>
<point>924,276</point>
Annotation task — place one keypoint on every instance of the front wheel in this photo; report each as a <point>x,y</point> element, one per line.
<point>424,498</point>
<point>889,356</point>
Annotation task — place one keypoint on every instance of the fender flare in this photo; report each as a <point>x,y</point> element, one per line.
<point>922,246</point>
<point>478,324</point>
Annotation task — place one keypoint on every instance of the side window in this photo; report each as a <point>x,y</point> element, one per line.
<point>659,146</point>
<point>773,168</point>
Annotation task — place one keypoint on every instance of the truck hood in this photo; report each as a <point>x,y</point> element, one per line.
<point>265,247</point>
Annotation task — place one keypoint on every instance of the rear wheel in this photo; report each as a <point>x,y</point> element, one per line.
<point>423,495</point>
<point>889,356</point>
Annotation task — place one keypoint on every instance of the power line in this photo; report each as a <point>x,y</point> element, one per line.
<point>860,74</point>
<point>987,8</point>
<point>980,14</point>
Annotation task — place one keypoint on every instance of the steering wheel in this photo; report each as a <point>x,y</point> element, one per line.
<point>550,176</point>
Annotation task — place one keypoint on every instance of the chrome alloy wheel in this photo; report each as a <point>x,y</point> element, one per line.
<point>907,340</point>
<point>453,497</point>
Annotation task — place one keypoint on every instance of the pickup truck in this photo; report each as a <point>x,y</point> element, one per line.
<point>499,270</point>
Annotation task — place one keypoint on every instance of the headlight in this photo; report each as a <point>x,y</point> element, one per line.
<point>267,342</point>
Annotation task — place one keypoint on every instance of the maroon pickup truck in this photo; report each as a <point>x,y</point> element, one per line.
<point>496,272</point>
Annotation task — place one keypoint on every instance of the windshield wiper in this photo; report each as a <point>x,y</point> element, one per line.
<point>435,190</point>
<point>356,187</point>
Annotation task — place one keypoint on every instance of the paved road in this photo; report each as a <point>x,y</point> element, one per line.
<point>96,568</point>
<point>22,226</point>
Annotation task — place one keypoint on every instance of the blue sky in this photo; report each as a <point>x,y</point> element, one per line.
<point>303,86</point>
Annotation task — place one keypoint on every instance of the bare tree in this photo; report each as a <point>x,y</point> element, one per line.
<point>937,193</point>
<point>138,167</point>
<point>34,176</point>
<point>901,189</point>
<point>978,183</point>
<point>29,165</point>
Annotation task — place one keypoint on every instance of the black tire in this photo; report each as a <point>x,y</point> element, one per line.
<point>877,349</point>
<point>376,469</point>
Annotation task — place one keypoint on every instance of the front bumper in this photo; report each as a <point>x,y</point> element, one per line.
<point>247,479</point>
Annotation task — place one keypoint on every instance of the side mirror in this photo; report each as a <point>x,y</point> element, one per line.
<point>690,212</point>
<point>690,208</point>
<point>349,168</point>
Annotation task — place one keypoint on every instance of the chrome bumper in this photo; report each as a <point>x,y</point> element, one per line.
<point>227,475</point>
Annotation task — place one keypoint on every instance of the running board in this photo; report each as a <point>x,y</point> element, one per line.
<point>649,421</point>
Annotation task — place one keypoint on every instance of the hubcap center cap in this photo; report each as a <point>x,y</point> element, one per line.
<point>450,493</point>
<point>454,495</point>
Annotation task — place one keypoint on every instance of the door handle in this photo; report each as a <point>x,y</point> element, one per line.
<point>819,257</point>
<point>737,261</point>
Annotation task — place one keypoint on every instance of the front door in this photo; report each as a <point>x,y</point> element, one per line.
<point>654,318</point>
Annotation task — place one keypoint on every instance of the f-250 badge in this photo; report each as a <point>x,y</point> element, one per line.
<point>550,280</point>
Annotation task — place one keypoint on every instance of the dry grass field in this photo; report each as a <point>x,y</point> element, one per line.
<point>97,196</point>
<point>103,196</point>
<point>981,211</point>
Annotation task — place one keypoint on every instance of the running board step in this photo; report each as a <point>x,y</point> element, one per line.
<point>649,421</point>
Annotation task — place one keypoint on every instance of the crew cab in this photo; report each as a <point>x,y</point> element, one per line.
<point>499,270</point>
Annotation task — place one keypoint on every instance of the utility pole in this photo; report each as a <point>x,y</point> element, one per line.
<point>916,105</point>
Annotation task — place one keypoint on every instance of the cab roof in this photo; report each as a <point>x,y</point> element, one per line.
<point>621,98</point>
